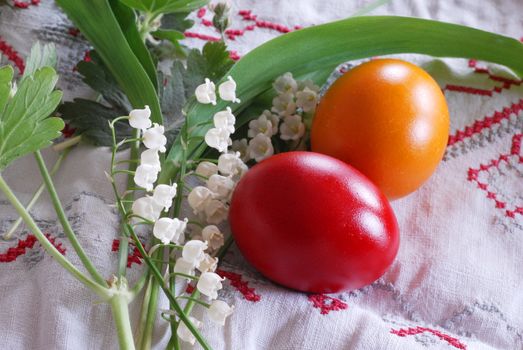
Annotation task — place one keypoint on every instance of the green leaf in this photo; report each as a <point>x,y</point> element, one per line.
<point>311,49</point>
<point>91,119</point>
<point>6,75</point>
<point>97,22</point>
<point>172,35</point>
<point>156,7</point>
<point>40,56</point>
<point>97,76</point>
<point>177,21</point>
<point>24,123</point>
<point>127,20</point>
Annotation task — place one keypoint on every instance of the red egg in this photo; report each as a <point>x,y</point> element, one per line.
<point>313,223</point>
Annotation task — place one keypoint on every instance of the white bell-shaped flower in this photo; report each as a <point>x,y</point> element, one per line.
<point>221,186</point>
<point>273,118</point>
<point>240,146</point>
<point>219,311</point>
<point>292,128</point>
<point>216,211</point>
<point>285,83</point>
<point>194,251</point>
<point>218,138</point>
<point>140,118</point>
<point>169,230</point>
<point>152,158</point>
<point>260,147</point>
<point>225,120</point>
<point>306,100</point>
<point>208,264</point>
<point>261,125</point>
<point>213,236</point>
<point>163,195</point>
<point>227,90</point>
<point>206,169</point>
<point>153,138</point>
<point>206,92</point>
<point>231,164</point>
<point>199,197</point>
<point>185,267</point>
<point>284,104</point>
<point>185,334</point>
<point>145,176</point>
<point>146,208</point>
<point>308,84</point>
<point>209,284</point>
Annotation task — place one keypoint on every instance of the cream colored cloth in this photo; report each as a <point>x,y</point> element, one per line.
<point>457,280</point>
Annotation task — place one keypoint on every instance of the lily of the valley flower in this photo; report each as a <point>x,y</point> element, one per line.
<point>140,118</point>
<point>215,211</point>
<point>218,138</point>
<point>206,169</point>
<point>306,99</point>
<point>227,90</point>
<point>209,284</point>
<point>185,267</point>
<point>208,264</point>
<point>145,176</point>
<point>213,236</point>
<point>163,195</point>
<point>240,146</point>
<point>225,120</point>
<point>185,334</point>
<point>261,125</point>
<point>194,251</point>
<point>260,147</point>
<point>292,128</point>
<point>169,230</point>
<point>221,186</point>
<point>147,208</point>
<point>284,104</point>
<point>273,118</point>
<point>152,158</point>
<point>199,197</point>
<point>153,138</point>
<point>285,83</point>
<point>219,311</point>
<point>206,92</point>
<point>231,164</point>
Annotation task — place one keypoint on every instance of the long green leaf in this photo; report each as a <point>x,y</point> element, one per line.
<point>127,20</point>
<point>24,123</point>
<point>97,22</point>
<point>314,48</point>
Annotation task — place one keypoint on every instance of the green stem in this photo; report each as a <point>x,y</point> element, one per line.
<point>37,194</point>
<point>172,299</point>
<point>68,230</point>
<point>95,287</point>
<point>152,309</point>
<point>120,308</point>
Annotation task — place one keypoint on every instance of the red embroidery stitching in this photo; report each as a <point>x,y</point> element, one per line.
<point>484,70</point>
<point>326,304</point>
<point>241,286</point>
<point>134,257</point>
<point>22,246</point>
<point>12,55</point>
<point>473,176</point>
<point>418,330</point>
<point>201,36</point>
<point>189,289</point>
<point>487,122</point>
<point>24,5</point>
<point>471,90</point>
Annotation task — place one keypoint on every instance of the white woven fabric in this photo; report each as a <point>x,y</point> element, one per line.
<point>457,280</point>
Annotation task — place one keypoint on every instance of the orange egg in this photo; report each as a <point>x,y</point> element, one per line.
<point>389,119</point>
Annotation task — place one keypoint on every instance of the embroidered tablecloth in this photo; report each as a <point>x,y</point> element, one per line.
<point>457,281</point>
